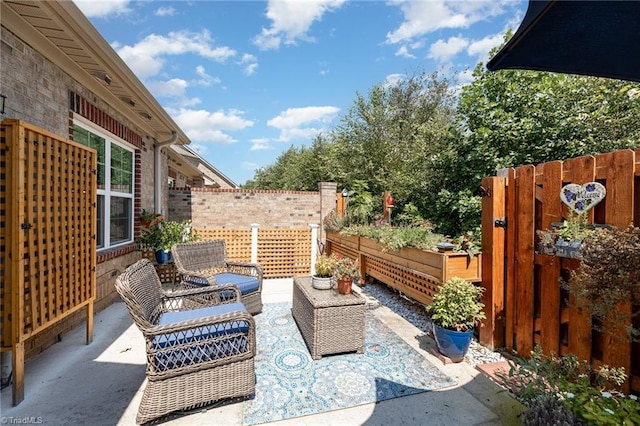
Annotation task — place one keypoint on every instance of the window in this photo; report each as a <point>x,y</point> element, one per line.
<point>115,184</point>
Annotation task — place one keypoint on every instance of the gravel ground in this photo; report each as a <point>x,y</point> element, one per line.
<point>414,313</point>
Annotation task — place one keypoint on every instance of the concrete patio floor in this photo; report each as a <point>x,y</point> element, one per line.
<point>101,384</point>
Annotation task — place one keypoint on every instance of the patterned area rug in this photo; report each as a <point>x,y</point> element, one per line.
<point>291,384</point>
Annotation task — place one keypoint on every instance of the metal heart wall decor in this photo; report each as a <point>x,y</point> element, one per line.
<point>582,198</point>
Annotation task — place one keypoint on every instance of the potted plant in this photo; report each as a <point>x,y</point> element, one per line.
<point>323,279</point>
<point>162,235</point>
<point>570,235</point>
<point>455,312</point>
<point>148,219</point>
<point>347,270</point>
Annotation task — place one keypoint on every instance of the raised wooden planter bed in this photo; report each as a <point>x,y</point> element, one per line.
<point>416,273</point>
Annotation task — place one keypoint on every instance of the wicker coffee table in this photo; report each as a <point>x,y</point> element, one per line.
<point>329,322</point>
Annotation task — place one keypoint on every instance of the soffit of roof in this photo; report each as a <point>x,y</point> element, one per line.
<point>60,30</point>
<point>182,164</point>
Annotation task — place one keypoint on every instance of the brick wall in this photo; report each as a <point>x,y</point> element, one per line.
<point>239,208</point>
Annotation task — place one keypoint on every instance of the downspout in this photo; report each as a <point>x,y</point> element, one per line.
<point>158,184</point>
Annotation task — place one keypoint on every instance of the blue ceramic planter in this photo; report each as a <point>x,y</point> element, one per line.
<point>163,257</point>
<point>452,344</point>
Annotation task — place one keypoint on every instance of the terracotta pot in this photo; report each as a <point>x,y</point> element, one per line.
<point>344,286</point>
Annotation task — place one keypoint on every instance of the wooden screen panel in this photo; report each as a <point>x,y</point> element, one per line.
<point>59,202</point>
<point>50,228</point>
<point>237,241</point>
<point>5,294</point>
<point>284,252</point>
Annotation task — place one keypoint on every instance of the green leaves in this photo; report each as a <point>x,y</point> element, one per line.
<point>457,305</point>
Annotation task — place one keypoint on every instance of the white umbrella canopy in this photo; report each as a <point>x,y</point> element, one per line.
<point>597,38</point>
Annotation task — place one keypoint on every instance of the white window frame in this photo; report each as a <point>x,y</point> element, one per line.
<point>111,139</point>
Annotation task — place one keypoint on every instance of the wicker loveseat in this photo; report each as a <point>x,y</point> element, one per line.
<point>200,343</point>
<point>204,263</point>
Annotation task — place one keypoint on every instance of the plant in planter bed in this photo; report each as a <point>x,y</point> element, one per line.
<point>455,311</point>
<point>608,276</point>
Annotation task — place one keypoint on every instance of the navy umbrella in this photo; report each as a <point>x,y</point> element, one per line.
<point>598,38</point>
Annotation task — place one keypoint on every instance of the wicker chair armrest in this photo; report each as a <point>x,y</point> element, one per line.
<point>198,276</point>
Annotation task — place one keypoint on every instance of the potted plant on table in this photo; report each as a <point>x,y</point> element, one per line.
<point>347,270</point>
<point>323,279</point>
<point>455,312</point>
<point>162,235</point>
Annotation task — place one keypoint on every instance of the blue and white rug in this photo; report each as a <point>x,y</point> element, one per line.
<point>291,384</point>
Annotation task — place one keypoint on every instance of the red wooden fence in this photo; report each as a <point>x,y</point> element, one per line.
<point>525,304</point>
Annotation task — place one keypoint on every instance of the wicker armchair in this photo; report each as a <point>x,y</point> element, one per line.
<point>205,263</point>
<point>194,356</point>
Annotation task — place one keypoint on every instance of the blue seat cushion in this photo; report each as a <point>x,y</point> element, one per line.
<point>219,341</point>
<point>245,283</point>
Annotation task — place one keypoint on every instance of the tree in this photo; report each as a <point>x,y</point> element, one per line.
<point>389,137</point>
<point>510,118</point>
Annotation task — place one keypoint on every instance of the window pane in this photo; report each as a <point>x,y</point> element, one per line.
<point>121,169</point>
<point>100,222</point>
<point>120,220</point>
<point>96,142</point>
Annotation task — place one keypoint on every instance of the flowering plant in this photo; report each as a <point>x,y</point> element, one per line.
<point>468,243</point>
<point>325,266</point>
<point>347,268</point>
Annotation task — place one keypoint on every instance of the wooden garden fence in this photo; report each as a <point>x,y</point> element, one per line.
<point>282,252</point>
<point>526,305</point>
<point>47,236</point>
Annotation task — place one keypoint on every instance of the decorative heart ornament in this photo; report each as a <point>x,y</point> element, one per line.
<point>582,198</point>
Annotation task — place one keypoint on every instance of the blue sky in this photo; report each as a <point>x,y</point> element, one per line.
<point>245,80</point>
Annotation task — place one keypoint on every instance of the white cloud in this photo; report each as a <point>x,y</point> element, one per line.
<point>464,77</point>
<point>205,126</point>
<point>260,144</point>
<point>250,63</point>
<point>404,52</point>
<point>292,122</point>
<point>444,50</point>
<point>175,87</point>
<point>145,57</point>
<point>393,79</point>
<point>205,80</point>
<point>165,11</point>
<point>424,17</point>
<point>481,48</point>
<point>102,9</point>
<point>291,21</point>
